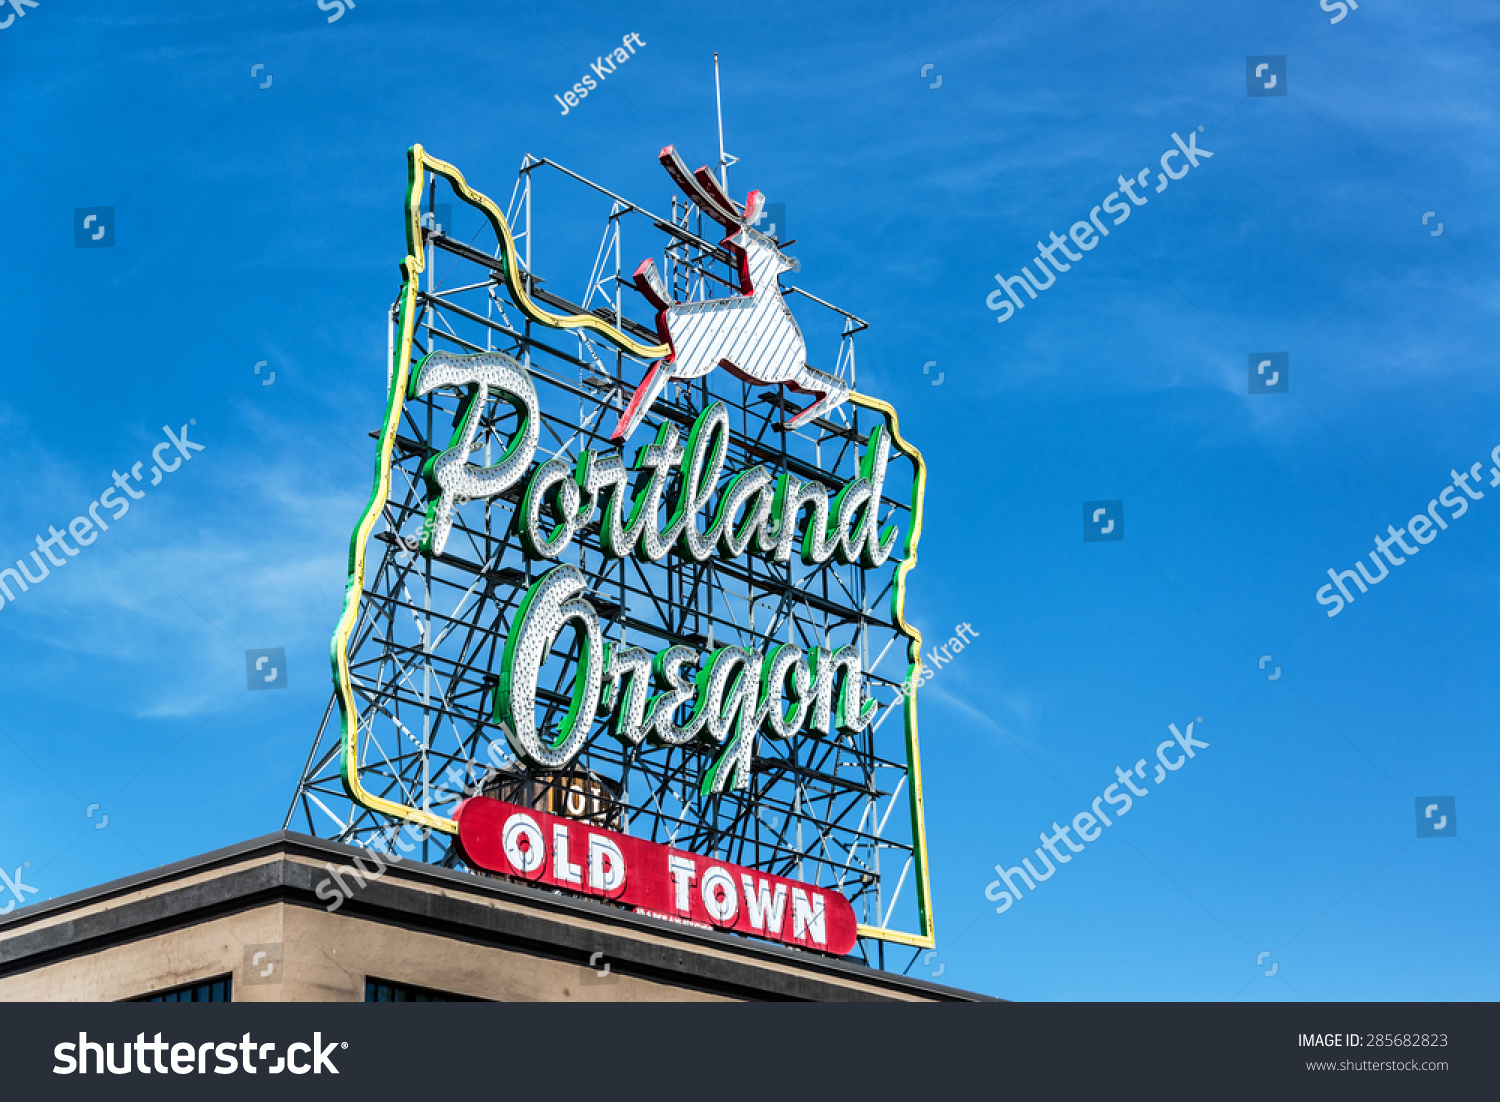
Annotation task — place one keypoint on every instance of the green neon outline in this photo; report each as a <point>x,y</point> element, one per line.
<point>464,430</point>
<point>504,712</point>
<point>689,488</point>
<point>640,493</point>
<point>529,546</point>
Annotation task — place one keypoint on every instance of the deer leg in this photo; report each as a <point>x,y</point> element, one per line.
<point>829,391</point>
<point>641,402</point>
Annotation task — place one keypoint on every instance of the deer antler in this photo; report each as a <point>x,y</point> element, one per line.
<point>702,189</point>
<point>716,193</point>
<point>754,203</point>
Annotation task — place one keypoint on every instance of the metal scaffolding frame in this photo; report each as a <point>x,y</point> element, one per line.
<point>430,629</point>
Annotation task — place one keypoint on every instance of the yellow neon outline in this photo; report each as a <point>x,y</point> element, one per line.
<point>419,159</point>
<point>928,937</point>
<point>412,267</point>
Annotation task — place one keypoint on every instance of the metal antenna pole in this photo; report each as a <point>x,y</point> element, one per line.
<point>719,106</point>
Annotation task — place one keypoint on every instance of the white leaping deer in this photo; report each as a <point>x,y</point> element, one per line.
<point>752,335</point>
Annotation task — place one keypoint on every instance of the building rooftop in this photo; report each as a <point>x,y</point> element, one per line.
<point>432,928</point>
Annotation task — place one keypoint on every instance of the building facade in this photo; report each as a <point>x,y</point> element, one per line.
<point>290,918</point>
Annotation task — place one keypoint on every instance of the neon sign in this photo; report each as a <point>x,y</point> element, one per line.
<point>652,879</point>
<point>540,519</point>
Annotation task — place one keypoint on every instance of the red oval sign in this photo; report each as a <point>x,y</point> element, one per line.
<point>652,878</point>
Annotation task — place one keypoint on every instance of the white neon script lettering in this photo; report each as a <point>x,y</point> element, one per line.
<point>765,513</point>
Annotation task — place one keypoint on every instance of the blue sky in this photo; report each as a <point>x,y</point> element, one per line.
<point>263,224</point>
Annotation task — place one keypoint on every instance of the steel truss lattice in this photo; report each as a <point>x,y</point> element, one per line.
<point>836,811</point>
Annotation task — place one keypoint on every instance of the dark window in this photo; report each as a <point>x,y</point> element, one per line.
<point>387,991</point>
<point>209,991</point>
